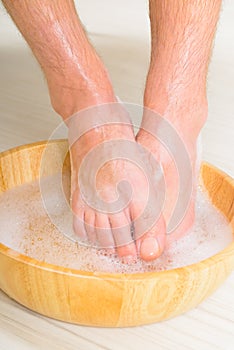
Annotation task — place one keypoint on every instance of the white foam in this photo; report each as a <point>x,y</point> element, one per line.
<point>26,228</point>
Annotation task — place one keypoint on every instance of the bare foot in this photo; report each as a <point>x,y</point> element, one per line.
<point>180,129</point>
<point>114,200</point>
<point>108,215</point>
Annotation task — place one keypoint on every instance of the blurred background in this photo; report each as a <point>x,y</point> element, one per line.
<point>120,32</point>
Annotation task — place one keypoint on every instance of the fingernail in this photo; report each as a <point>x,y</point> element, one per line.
<point>150,248</point>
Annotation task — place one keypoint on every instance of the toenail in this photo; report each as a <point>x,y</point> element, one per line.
<point>149,248</point>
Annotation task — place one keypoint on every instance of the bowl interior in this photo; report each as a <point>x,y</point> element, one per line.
<point>29,162</point>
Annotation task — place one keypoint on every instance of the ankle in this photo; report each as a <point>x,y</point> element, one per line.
<point>78,95</point>
<point>185,110</point>
<point>169,85</point>
<point>74,90</point>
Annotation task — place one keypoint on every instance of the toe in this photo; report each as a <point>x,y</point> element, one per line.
<point>89,224</point>
<point>124,242</point>
<point>152,244</point>
<point>150,233</point>
<point>78,225</point>
<point>104,233</point>
<point>78,216</point>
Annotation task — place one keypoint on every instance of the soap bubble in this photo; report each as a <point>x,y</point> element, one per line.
<point>26,228</point>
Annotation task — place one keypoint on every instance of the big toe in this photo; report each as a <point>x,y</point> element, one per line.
<point>151,244</point>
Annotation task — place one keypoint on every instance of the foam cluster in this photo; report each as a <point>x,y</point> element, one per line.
<point>26,228</point>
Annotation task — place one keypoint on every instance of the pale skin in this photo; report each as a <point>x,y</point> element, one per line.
<point>182,34</point>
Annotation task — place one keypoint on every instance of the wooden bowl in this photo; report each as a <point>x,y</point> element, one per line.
<point>108,300</point>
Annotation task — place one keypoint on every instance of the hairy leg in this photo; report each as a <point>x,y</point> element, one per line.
<point>76,77</point>
<point>77,80</point>
<point>182,34</point>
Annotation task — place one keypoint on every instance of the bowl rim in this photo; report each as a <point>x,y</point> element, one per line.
<point>27,260</point>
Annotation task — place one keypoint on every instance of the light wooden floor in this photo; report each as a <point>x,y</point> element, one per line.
<point>119,30</point>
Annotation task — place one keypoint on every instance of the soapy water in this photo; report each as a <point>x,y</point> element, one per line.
<point>26,228</point>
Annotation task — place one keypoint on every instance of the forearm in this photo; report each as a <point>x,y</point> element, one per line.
<point>182,37</point>
<point>71,66</point>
